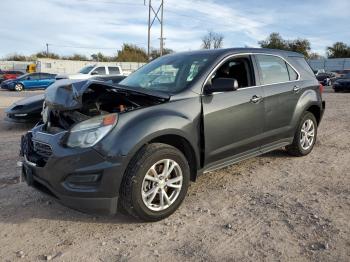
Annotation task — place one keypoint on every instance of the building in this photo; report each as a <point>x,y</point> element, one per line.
<point>330,65</point>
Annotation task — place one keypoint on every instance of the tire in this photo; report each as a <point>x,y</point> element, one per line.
<point>19,87</point>
<point>135,185</point>
<point>301,147</point>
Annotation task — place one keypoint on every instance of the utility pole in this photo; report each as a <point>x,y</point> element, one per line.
<point>161,29</point>
<point>149,27</point>
<point>47,50</point>
<point>155,14</point>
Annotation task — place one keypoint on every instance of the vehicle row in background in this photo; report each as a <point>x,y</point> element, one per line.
<point>29,109</point>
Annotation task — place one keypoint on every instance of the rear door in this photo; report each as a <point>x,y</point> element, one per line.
<point>281,88</point>
<point>233,121</point>
<point>46,80</point>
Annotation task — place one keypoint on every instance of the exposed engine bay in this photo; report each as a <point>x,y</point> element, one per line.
<point>96,100</point>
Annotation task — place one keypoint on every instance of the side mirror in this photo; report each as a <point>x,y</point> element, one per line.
<point>222,85</point>
<point>93,73</point>
<point>29,78</point>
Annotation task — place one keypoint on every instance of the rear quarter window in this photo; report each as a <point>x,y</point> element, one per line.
<point>303,66</point>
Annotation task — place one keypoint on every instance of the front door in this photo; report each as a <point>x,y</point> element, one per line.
<point>32,81</point>
<point>233,121</point>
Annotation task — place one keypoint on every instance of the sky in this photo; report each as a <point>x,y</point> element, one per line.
<point>90,26</point>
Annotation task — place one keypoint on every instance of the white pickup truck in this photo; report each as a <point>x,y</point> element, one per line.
<point>94,71</point>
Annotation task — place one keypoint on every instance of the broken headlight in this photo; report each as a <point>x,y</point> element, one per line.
<point>89,132</point>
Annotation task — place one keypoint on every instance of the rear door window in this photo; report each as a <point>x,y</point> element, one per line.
<point>113,70</point>
<point>273,69</point>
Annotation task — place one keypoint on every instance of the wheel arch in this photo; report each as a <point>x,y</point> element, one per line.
<point>316,111</point>
<point>309,101</point>
<point>184,146</point>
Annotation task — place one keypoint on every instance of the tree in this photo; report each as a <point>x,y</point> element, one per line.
<point>212,40</point>
<point>99,57</point>
<point>43,54</point>
<point>275,41</point>
<point>16,57</point>
<point>338,50</point>
<point>132,53</point>
<point>315,55</point>
<point>155,53</point>
<point>301,46</point>
<point>76,57</point>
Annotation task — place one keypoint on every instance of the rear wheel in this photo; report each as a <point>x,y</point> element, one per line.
<point>155,182</point>
<point>19,87</point>
<point>305,136</point>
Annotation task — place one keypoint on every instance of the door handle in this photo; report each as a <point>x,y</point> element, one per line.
<point>296,89</point>
<point>255,99</point>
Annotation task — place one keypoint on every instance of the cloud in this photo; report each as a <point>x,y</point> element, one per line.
<point>107,24</point>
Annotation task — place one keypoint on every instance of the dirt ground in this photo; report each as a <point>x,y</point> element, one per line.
<point>269,208</point>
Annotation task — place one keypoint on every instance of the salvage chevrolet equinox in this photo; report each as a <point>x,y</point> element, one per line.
<point>136,145</point>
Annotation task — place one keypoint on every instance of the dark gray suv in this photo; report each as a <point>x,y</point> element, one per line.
<point>136,146</point>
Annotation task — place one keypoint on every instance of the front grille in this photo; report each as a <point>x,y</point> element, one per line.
<point>42,149</point>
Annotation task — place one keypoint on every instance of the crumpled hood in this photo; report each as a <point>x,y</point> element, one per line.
<point>67,94</point>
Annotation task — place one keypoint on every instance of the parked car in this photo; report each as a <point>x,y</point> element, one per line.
<point>6,75</point>
<point>342,84</point>
<point>29,109</point>
<point>326,79</point>
<point>1,76</point>
<point>29,81</point>
<point>137,145</point>
<point>93,71</point>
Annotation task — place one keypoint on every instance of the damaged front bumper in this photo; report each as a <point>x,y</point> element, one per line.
<point>81,178</point>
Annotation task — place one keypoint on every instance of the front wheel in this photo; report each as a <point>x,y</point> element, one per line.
<point>155,183</point>
<point>19,87</point>
<point>305,136</point>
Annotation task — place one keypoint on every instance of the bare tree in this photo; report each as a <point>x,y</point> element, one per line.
<point>212,40</point>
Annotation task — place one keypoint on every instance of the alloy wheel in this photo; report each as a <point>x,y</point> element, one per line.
<point>18,87</point>
<point>162,185</point>
<point>307,134</point>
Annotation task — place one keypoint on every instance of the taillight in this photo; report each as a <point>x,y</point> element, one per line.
<point>321,88</point>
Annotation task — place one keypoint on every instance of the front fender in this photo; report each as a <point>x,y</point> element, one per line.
<point>137,128</point>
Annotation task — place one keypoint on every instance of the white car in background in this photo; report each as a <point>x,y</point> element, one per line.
<point>93,71</point>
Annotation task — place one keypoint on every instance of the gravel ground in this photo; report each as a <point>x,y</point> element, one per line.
<point>269,208</point>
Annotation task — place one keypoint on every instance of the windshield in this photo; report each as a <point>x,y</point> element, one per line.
<point>23,76</point>
<point>86,69</point>
<point>347,75</point>
<point>169,74</point>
